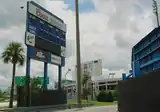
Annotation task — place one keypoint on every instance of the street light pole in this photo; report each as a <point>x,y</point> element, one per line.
<point>78,53</point>
<point>155,11</point>
<point>65,77</point>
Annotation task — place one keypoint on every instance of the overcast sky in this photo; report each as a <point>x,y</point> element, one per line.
<point>108,30</point>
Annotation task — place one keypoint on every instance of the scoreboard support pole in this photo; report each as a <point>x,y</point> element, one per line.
<point>59,77</point>
<point>28,80</point>
<point>45,75</point>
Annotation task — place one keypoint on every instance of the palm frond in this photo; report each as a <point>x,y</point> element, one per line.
<point>14,53</point>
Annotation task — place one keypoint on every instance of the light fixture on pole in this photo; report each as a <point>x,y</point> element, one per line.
<point>155,11</point>
<point>67,73</point>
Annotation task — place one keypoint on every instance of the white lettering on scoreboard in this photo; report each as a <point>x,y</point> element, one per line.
<point>36,11</point>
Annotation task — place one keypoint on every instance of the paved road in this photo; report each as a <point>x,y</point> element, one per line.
<point>93,109</point>
<point>2,104</point>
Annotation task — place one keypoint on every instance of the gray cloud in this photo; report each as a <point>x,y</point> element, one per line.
<point>11,14</point>
<point>122,42</point>
<point>70,48</point>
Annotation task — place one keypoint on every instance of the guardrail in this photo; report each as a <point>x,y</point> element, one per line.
<point>44,108</point>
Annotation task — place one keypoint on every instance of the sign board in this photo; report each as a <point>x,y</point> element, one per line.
<point>55,59</point>
<point>46,32</point>
<point>30,39</point>
<point>41,55</point>
<point>46,16</point>
<point>20,80</point>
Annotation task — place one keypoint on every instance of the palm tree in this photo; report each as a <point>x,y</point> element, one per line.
<point>14,54</point>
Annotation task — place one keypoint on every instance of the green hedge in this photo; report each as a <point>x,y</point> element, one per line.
<point>104,96</point>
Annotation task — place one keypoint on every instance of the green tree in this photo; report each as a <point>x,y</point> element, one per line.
<point>85,80</point>
<point>115,94</point>
<point>1,94</point>
<point>86,90</point>
<point>14,54</point>
<point>36,83</point>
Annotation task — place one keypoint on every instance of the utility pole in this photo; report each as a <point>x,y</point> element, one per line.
<point>78,54</point>
<point>155,11</point>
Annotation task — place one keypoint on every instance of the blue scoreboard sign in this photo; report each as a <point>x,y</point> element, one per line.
<point>45,35</point>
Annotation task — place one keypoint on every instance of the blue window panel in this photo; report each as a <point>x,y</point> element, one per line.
<point>150,68</point>
<point>55,40</point>
<point>58,41</point>
<point>158,65</point>
<point>64,43</point>
<point>137,68</point>
<point>64,36</point>
<point>155,65</point>
<point>54,31</point>
<point>57,32</point>
<point>158,54</point>
<point>61,42</point>
<point>149,57</point>
<point>153,37</point>
<point>60,34</point>
<point>158,33</point>
<point>155,55</point>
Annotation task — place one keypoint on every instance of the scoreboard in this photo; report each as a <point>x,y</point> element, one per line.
<point>45,35</point>
<point>46,31</point>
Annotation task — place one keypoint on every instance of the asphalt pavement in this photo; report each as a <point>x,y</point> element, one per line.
<point>112,108</point>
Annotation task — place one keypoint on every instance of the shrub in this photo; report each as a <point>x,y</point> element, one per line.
<point>110,97</point>
<point>115,94</point>
<point>102,96</point>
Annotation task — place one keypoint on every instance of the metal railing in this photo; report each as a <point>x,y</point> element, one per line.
<point>44,108</point>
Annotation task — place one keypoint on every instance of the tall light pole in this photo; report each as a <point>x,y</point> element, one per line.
<point>27,85</point>
<point>155,11</point>
<point>78,53</point>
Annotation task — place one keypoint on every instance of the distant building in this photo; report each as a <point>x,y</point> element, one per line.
<point>97,86</point>
<point>91,68</point>
<point>146,53</point>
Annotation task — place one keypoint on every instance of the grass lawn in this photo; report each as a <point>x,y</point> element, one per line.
<point>96,103</point>
<point>1,107</point>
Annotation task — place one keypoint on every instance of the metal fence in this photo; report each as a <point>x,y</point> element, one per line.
<point>45,108</point>
<point>140,94</point>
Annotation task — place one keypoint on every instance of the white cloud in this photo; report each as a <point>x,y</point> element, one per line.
<point>108,32</point>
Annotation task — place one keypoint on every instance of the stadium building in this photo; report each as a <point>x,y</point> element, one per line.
<point>146,53</point>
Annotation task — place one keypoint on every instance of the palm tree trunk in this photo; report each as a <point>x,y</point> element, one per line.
<point>12,87</point>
